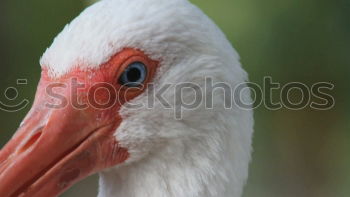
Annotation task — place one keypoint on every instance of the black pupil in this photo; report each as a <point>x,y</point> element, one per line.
<point>133,75</point>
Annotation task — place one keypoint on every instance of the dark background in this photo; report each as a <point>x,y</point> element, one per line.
<point>301,153</point>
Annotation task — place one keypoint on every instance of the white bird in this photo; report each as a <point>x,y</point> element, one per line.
<point>144,151</point>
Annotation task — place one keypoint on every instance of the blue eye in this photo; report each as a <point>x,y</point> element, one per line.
<point>134,75</point>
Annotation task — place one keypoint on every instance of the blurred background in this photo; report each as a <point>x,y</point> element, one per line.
<point>301,153</point>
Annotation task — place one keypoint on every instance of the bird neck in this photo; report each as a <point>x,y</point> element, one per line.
<point>196,168</point>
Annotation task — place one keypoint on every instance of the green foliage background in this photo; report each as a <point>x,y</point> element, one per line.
<point>301,153</point>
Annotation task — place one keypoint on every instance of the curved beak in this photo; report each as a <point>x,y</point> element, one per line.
<point>56,147</point>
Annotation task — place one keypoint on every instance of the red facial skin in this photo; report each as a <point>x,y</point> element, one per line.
<point>55,148</point>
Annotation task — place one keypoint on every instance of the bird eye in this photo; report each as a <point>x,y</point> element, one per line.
<point>134,75</point>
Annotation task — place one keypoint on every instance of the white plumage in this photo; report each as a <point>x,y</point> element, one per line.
<point>207,152</point>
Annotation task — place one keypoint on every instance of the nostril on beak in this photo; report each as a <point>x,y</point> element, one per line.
<point>31,141</point>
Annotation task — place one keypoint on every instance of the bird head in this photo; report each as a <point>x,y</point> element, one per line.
<point>96,108</point>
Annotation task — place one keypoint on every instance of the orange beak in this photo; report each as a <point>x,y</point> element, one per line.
<point>56,147</point>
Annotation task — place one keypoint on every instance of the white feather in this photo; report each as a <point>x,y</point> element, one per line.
<point>205,154</point>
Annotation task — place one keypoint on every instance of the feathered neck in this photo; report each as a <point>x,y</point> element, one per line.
<point>207,166</point>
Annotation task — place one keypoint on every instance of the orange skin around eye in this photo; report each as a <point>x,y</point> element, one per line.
<point>131,56</point>
<point>107,77</point>
<point>56,147</point>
